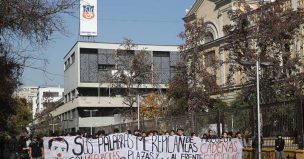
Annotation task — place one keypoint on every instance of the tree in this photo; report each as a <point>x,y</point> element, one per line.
<point>22,23</point>
<point>133,69</point>
<point>194,82</point>
<point>270,33</point>
<point>22,117</point>
<point>151,107</point>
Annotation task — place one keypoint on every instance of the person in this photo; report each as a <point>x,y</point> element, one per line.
<point>24,150</point>
<point>36,149</point>
<point>279,147</point>
<point>144,134</point>
<point>180,132</point>
<point>242,140</point>
<point>13,147</point>
<point>255,155</point>
<point>211,135</point>
<point>58,145</point>
<point>167,133</point>
<point>172,133</point>
<point>116,130</point>
<point>204,136</point>
<point>193,134</point>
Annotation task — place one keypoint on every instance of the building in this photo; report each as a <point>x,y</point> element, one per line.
<point>217,14</point>
<point>46,94</point>
<point>27,92</point>
<point>89,98</point>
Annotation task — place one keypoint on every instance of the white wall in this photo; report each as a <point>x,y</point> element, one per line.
<point>95,121</point>
<point>34,106</point>
<point>71,74</point>
<point>41,99</point>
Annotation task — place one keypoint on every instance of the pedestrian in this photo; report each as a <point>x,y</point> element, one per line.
<point>13,146</point>
<point>23,148</point>
<point>36,148</point>
<point>279,147</point>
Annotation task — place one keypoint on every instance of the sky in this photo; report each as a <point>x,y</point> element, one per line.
<point>143,21</point>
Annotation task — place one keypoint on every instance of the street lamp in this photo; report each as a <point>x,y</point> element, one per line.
<point>53,124</point>
<point>91,110</point>
<point>259,115</point>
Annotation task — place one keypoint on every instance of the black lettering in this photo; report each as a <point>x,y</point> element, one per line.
<point>130,154</point>
<point>80,144</point>
<point>100,143</point>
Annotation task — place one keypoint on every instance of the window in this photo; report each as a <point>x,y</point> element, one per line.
<point>209,59</point>
<point>65,65</point>
<point>88,51</point>
<point>73,57</point>
<point>209,37</point>
<point>50,94</point>
<point>161,54</point>
<point>106,66</point>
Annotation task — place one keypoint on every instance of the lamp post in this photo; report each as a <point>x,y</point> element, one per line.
<point>138,123</point>
<point>53,124</point>
<point>91,110</point>
<point>259,115</point>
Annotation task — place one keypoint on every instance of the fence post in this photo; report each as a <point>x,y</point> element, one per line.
<point>300,123</point>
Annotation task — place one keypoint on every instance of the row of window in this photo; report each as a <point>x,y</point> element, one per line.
<point>69,61</point>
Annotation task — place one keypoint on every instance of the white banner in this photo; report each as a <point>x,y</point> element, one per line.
<point>125,146</point>
<point>88,17</point>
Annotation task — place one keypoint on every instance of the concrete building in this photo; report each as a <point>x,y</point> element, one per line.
<point>89,98</point>
<point>27,92</point>
<point>44,95</point>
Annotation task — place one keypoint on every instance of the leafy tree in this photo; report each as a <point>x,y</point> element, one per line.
<point>22,117</point>
<point>23,23</point>
<point>194,82</point>
<point>270,33</point>
<point>133,70</point>
<point>10,72</point>
<point>151,107</point>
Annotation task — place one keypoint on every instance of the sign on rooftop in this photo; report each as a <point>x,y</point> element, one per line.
<point>88,18</point>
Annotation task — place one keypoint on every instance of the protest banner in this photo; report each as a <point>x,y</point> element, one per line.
<point>126,146</point>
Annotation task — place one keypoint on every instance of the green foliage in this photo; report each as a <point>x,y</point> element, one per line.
<point>22,117</point>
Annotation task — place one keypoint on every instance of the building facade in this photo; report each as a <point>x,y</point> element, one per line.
<point>27,92</point>
<point>90,100</point>
<point>46,94</point>
<point>217,14</point>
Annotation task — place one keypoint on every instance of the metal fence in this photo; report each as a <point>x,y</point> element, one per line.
<point>285,118</point>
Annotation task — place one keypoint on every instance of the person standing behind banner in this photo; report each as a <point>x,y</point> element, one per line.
<point>279,147</point>
<point>242,140</point>
<point>36,149</point>
<point>180,132</point>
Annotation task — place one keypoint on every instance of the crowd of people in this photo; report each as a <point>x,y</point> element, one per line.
<point>32,147</point>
